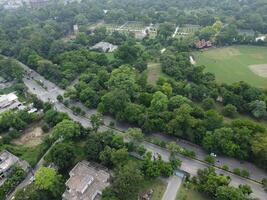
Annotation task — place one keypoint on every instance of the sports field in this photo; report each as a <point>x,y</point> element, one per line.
<point>236,63</point>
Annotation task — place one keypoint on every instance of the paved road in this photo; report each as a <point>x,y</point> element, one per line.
<point>189,165</point>
<point>174,183</point>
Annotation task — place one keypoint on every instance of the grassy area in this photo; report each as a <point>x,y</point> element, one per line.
<point>231,64</point>
<point>30,154</point>
<point>158,186</point>
<point>190,194</point>
<point>153,73</point>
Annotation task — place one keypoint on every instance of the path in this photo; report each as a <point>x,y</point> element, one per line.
<point>174,183</point>
<point>175,32</point>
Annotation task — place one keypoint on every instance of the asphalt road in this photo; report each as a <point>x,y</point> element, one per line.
<point>190,165</point>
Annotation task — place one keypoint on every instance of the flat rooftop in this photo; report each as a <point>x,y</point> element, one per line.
<point>86,182</point>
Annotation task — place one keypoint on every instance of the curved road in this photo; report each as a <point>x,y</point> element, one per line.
<point>51,92</point>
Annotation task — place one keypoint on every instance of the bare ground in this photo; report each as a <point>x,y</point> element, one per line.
<point>260,70</point>
<point>32,137</point>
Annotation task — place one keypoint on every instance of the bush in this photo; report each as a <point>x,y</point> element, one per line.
<point>45,128</point>
<point>245,173</point>
<point>264,183</point>
<point>229,111</point>
<point>141,150</point>
<point>237,171</point>
<point>225,167</point>
<point>210,159</point>
<point>208,103</point>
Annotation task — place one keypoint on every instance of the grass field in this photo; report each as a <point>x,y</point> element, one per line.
<point>189,194</point>
<point>153,73</point>
<point>158,186</point>
<point>231,64</point>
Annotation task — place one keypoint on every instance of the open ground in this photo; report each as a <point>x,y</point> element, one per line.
<point>233,64</point>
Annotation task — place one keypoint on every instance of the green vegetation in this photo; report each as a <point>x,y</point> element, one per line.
<point>153,73</point>
<point>190,193</point>
<point>231,64</point>
<point>158,186</point>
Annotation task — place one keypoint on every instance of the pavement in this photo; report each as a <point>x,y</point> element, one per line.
<point>174,183</point>
<point>49,92</point>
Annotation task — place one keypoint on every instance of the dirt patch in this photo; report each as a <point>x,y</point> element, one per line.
<point>260,70</point>
<point>32,137</point>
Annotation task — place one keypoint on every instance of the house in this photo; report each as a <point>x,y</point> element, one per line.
<point>105,47</point>
<point>8,100</point>
<point>201,44</point>
<point>86,182</point>
<point>7,162</point>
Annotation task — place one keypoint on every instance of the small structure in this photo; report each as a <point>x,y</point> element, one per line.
<point>105,47</point>
<point>7,100</point>
<point>86,182</point>
<point>261,38</point>
<point>7,162</point>
<point>201,44</point>
<point>75,29</point>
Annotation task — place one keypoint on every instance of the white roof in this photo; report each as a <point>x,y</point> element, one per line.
<point>8,97</point>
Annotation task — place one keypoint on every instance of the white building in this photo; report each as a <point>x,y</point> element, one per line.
<point>105,47</point>
<point>7,100</point>
<point>86,182</point>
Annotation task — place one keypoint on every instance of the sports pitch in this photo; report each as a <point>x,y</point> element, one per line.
<point>236,63</point>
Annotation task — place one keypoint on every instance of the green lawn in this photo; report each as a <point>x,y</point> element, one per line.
<point>153,73</point>
<point>230,64</point>
<point>190,194</point>
<point>158,186</point>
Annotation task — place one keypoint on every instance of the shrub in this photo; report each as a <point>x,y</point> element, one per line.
<point>210,159</point>
<point>229,111</point>
<point>225,167</point>
<point>237,171</point>
<point>208,103</point>
<point>245,173</point>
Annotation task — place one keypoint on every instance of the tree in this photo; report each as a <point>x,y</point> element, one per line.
<point>136,135</point>
<point>259,149</point>
<point>48,179</point>
<point>62,155</point>
<point>96,121</point>
<point>229,111</point>
<point>159,102</point>
<point>128,181</point>
<point>213,120</point>
<point>67,129</point>
<point>128,53</point>
<point>229,193</point>
<point>258,109</point>
<point>119,157</point>
<point>208,103</point>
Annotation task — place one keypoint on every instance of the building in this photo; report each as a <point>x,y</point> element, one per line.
<point>7,162</point>
<point>8,100</point>
<point>12,4</point>
<point>38,3</point>
<point>105,47</point>
<point>86,182</point>
<point>201,44</point>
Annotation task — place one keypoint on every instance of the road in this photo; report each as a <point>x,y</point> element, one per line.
<point>190,165</point>
<point>174,183</point>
